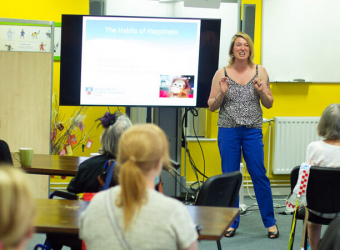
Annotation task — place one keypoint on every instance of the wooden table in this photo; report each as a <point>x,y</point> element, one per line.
<point>62,216</point>
<point>53,165</point>
<point>59,216</point>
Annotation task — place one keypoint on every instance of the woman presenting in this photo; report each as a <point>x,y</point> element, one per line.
<point>237,90</point>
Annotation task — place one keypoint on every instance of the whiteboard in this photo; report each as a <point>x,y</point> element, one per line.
<point>301,40</point>
<point>228,13</point>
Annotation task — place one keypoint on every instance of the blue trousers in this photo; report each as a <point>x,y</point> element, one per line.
<point>230,142</point>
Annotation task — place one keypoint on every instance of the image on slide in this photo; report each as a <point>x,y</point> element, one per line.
<point>176,86</point>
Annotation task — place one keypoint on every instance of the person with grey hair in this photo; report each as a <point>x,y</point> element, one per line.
<point>86,179</point>
<point>325,153</point>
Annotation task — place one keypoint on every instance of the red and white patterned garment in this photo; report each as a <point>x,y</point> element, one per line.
<point>300,189</point>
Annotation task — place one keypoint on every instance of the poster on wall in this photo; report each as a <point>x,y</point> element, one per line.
<point>25,38</point>
<point>57,41</point>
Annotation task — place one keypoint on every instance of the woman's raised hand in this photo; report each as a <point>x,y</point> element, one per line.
<point>258,85</point>
<point>224,84</point>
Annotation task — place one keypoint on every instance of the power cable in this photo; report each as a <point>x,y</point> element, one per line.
<point>194,113</point>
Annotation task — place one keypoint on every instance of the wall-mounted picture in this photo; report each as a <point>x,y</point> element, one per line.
<point>10,34</point>
<point>21,37</point>
<point>35,33</point>
<point>22,34</point>
<point>57,41</point>
<point>47,34</point>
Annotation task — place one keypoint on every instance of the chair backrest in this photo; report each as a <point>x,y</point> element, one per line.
<point>331,238</point>
<point>323,188</point>
<point>5,154</point>
<point>220,190</point>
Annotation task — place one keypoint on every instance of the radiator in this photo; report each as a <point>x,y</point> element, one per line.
<point>291,138</point>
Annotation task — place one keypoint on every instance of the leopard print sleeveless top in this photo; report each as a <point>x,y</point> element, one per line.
<point>241,105</point>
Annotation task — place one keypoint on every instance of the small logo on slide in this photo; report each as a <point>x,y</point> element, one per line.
<point>89,90</point>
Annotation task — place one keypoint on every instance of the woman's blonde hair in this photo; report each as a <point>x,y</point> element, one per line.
<point>17,207</point>
<point>250,44</point>
<point>329,124</point>
<point>140,150</point>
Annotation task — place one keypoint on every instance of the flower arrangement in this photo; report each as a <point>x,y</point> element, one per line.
<point>67,135</point>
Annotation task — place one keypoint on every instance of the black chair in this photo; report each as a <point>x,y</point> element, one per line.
<point>63,194</point>
<point>5,153</point>
<point>323,190</point>
<point>220,191</point>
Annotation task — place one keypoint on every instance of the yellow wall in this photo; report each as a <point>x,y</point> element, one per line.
<point>52,11</point>
<point>290,99</point>
<point>42,10</point>
<point>48,10</point>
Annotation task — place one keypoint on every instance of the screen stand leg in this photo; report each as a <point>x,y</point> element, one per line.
<point>169,119</point>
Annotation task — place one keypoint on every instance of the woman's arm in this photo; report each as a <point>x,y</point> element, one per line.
<point>219,87</point>
<point>262,87</point>
<point>76,182</point>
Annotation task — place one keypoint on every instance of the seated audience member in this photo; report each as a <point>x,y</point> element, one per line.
<point>86,179</point>
<point>5,154</point>
<point>132,215</point>
<point>17,209</point>
<point>325,153</point>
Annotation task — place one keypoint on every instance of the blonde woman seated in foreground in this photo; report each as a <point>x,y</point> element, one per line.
<point>134,215</point>
<point>17,209</point>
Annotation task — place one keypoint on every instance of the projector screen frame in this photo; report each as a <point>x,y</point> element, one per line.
<point>71,56</point>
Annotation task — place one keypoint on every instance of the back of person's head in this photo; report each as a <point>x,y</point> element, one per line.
<point>114,124</point>
<point>250,44</point>
<point>329,124</point>
<point>141,149</point>
<point>17,208</point>
<point>5,154</point>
